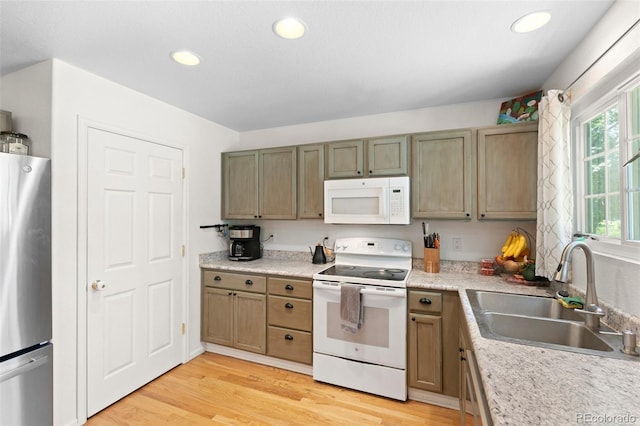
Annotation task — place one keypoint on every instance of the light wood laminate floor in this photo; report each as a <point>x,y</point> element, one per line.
<point>215,389</point>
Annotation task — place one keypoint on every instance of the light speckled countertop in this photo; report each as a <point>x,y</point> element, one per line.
<point>524,385</point>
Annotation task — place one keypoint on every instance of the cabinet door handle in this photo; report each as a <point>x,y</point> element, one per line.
<point>425,301</point>
<point>217,278</point>
<point>288,305</point>
<point>359,172</point>
<point>230,293</point>
<point>248,282</point>
<point>468,214</point>
<point>320,214</point>
<point>288,287</point>
<point>370,172</point>
<point>288,337</point>
<point>413,318</point>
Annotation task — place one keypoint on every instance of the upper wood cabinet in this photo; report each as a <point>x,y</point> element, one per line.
<point>259,184</point>
<point>385,156</point>
<point>277,183</point>
<point>484,173</point>
<point>240,185</point>
<point>443,175</point>
<point>345,159</point>
<point>311,181</point>
<point>507,171</point>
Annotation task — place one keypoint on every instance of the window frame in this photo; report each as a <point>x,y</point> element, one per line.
<point>621,248</point>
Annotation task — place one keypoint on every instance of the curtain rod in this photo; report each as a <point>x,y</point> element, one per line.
<point>561,95</point>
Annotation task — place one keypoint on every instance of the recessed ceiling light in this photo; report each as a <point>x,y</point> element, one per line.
<point>531,22</point>
<point>185,57</point>
<point>289,28</point>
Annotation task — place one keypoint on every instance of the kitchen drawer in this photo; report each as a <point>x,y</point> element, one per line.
<point>290,287</point>
<point>243,282</point>
<point>290,344</point>
<point>425,301</point>
<point>289,312</point>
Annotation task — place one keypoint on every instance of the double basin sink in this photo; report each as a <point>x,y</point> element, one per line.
<point>540,321</point>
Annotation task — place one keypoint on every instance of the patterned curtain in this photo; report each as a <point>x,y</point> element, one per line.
<point>555,189</point>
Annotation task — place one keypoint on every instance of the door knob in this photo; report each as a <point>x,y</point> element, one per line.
<point>98,285</point>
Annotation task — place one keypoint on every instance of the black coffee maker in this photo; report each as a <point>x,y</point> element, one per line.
<point>244,242</point>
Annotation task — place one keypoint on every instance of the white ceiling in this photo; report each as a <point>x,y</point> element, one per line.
<point>357,57</point>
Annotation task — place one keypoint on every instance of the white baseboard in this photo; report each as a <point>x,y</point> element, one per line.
<point>194,353</point>
<point>260,359</point>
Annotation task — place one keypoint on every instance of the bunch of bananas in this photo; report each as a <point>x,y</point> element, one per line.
<point>515,247</point>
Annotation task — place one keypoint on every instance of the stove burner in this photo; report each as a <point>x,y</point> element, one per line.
<point>395,271</point>
<point>382,273</point>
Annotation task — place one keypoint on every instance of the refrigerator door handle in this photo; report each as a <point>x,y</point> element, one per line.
<point>32,364</point>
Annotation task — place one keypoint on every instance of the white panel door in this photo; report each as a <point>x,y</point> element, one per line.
<point>134,261</point>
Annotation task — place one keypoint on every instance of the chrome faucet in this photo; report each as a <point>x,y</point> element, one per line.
<point>592,312</point>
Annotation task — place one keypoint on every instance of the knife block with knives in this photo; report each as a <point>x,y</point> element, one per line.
<point>431,250</point>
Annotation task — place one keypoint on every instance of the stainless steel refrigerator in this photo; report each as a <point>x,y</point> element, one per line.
<point>26,353</point>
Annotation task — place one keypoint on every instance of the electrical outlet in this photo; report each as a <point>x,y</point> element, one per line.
<point>456,243</point>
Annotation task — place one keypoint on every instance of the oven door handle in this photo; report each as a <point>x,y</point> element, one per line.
<point>370,290</point>
<point>384,293</point>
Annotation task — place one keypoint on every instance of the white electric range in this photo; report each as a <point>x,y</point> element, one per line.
<point>373,358</point>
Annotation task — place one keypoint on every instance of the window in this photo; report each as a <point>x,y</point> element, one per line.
<point>608,194</point>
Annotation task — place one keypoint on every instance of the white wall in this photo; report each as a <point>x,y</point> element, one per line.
<point>616,279</point>
<point>471,114</point>
<point>71,94</point>
<point>27,95</point>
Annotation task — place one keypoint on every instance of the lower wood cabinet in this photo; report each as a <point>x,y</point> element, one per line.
<point>234,310</point>
<point>290,313</point>
<point>433,341</point>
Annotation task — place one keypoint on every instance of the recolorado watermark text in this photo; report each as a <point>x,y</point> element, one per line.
<point>606,418</point>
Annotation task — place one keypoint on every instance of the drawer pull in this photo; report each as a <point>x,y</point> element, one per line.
<point>288,337</point>
<point>248,282</point>
<point>217,278</point>
<point>288,287</point>
<point>425,301</point>
<point>288,305</point>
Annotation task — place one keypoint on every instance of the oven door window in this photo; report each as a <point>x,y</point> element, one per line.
<point>382,337</point>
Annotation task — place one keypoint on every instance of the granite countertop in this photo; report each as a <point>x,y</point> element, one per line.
<point>524,385</point>
<point>528,385</point>
<point>291,266</point>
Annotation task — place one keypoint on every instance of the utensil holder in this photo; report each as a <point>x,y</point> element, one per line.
<point>432,260</point>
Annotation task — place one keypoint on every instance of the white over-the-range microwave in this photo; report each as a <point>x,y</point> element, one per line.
<point>367,201</point>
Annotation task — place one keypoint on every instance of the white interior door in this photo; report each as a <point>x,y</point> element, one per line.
<point>134,261</point>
